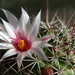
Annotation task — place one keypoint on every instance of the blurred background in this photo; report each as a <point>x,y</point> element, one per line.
<point>33,7</point>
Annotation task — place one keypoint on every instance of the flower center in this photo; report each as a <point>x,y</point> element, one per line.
<point>21,44</point>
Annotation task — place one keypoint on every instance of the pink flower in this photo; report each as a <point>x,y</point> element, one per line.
<point>20,37</point>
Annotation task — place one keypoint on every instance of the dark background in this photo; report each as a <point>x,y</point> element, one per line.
<point>33,6</point>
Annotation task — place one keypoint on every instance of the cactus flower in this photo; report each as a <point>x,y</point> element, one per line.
<point>20,37</point>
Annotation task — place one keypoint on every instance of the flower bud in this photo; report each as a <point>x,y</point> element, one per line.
<point>47,71</point>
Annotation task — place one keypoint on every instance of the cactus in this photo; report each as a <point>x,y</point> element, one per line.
<point>61,56</point>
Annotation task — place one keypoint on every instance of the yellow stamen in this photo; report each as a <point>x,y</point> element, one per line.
<point>22,44</point>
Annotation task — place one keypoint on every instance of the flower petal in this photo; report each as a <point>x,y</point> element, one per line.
<point>2,28</point>
<point>4,36</point>
<point>35,27</point>
<point>1,48</point>
<point>29,54</point>
<point>24,20</point>
<point>20,57</point>
<point>9,53</point>
<point>9,29</point>
<point>6,45</point>
<point>11,18</point>
<point>45,38</point>
<point>39,52</point>
<point>41,44</point>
